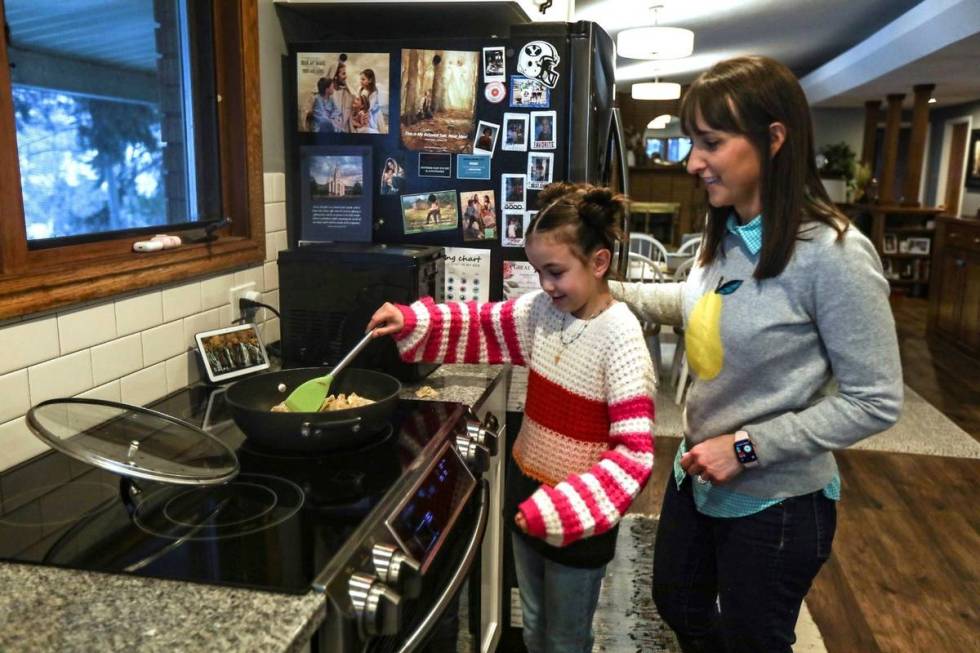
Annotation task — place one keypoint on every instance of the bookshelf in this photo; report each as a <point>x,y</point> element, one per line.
<point>903,236</point>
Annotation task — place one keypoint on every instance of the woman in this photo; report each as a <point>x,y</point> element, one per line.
<point>785,300</point>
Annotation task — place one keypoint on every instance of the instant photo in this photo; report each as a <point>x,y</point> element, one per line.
<point>528,93</point>
<point>334,202</point>
<point>515,132</point>
<point>393,175</point>
<point>486,138</point>
<point>438,99</point>
<point>514,227</point>
<point>433,164</point>
<point>343,92</point>
<point>434,211</point>
<point>493,65</point>
<point>539,169</point>
<point>513,192</point>
<point>479,214</point>
<point>543,130</point>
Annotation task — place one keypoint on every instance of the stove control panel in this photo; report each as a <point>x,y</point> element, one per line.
<point>398,570</point>
<point>376,606</point>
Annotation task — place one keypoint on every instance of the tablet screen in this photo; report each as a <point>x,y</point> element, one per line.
<point>232,351</point>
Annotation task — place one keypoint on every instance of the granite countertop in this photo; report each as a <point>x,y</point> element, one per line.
<point>47,608</point>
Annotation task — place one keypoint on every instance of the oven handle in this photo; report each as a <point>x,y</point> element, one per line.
<point>416,638</point>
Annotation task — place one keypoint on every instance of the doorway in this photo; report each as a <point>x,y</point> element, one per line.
<point>952,166</point>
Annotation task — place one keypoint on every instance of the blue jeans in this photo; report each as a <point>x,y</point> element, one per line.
<point>736,585</point>
<point>557,601</point>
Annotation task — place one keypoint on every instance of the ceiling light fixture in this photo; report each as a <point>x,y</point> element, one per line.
<point>656,90</point>
<point>659,122</point>
<point>932,100</point>
<point>655,42</point>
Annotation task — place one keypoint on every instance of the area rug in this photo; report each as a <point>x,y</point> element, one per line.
<point>626,620</point>
<point>921,429</point>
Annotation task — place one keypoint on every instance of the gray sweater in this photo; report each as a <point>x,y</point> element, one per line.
<point>810,358</point>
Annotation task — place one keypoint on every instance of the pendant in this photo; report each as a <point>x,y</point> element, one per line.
<point>557,358</point>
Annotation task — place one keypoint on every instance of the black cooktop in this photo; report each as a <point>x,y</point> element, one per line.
<point>274,527</point>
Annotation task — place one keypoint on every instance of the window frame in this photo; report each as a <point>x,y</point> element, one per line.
<point>52,278</point>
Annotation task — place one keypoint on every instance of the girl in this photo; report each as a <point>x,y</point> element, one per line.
<point>585,447</point>
<point>359,116</point>
<point>792,345</point>
<point>372,103</point>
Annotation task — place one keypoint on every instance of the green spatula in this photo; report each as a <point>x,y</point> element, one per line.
<point>308,396</point>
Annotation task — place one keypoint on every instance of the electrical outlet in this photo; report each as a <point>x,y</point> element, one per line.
<point>237,293</point>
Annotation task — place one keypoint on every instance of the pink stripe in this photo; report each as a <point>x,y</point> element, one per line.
<point>639,442</point>
<point>631,408</point>
<point>486,322</point>
<point>571,525</point>
<point>533,517</point>
<point>601,520</point>
<point>636,470</point>
<point>472,354</point>
<point>431,352</point>
<point>509,327</point>
<point>455,331</point>
<point>617,494</point>
<point>410,321</point>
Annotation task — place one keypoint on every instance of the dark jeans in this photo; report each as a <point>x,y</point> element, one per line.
<point>736,585</point>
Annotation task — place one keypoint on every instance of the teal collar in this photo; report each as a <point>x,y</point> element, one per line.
<point>751,233</point>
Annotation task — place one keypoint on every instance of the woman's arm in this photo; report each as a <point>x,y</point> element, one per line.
<point>857,331</point>
<point>659,303</point>
<point>593,502</point>
<point>459,332</point>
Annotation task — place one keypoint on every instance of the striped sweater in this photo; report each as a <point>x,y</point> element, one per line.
<point>587,429</point>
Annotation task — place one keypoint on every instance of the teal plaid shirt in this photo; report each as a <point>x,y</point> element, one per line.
<point>716,500</point>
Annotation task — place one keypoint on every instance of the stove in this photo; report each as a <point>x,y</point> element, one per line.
<point>367,526</point>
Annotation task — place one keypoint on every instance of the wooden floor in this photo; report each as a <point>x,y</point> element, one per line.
<point>905,573</point>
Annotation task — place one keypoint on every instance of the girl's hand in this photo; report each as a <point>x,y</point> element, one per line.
<point>521,522</point>
<point>386,321</point>
<point>713,460</point>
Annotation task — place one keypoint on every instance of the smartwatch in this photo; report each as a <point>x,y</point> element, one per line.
<point>745,450</point>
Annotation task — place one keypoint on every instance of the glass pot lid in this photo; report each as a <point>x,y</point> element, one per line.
<point>133,441</point>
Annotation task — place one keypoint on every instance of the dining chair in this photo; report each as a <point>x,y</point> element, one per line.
<point>689,247</point>
<point>650,247</point>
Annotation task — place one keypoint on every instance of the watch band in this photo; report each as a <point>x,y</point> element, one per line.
<point>745,450</point>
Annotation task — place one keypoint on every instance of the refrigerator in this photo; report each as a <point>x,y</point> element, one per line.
<point>574,65</point>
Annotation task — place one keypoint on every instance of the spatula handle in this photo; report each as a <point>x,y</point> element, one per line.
<point>353,352</point>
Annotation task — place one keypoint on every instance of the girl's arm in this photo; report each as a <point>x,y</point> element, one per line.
<point>593,502</point>
<point>460,332</point>
<point>659,303</point>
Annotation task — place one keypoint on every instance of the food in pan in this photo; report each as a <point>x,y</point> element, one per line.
<point>426,392</point>
<point>333,402</point>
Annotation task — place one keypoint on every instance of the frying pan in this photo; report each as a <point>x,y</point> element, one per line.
<point>251,401</point>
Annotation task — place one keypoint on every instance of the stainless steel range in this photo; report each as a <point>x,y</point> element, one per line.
<point>389,532</point>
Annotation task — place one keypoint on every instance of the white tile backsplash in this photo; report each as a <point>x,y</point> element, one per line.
<point>276,188</point>
<point>249,275</point>
<point>106,392</point>
<point>65,376</point>
<point>181,301</point>
<point>271,274</point>
<point>275,242</point>
<point>163,342</point>
<point>27,343</point>
<point>139,313</point>
<point>214,292</point>
<point>16,395</point>
<point>195,324</point>
<point>17,443</point>
<point>86,327</point>
<point>269,331</point>
<point>182,371</point>
<point>275,217</point>
<point>142,387</point>
<point>117,358</point>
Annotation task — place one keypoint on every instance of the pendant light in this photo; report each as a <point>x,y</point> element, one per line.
<point>655,42</point>
<point>656,90</point>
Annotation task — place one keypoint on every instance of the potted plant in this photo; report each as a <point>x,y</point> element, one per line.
<point>836,169</point>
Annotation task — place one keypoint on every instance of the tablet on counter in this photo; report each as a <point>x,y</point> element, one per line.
<point>232,352</point>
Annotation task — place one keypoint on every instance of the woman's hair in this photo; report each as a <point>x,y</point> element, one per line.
<point>585,216</point>
<point>744,96</point>
<point>369,74</point>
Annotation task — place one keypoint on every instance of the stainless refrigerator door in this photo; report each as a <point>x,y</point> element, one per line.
<point>616,167</point>
<point>590,101</point>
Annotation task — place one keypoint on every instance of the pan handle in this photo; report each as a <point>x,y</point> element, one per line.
<point>308,427</point>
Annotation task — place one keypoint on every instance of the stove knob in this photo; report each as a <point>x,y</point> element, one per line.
<point>483,437</point>
<point>398,570</point>
<point>476,456</point>
<point>376,606</point>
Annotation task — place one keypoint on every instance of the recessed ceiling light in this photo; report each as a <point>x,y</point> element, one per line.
<point>932,100</point>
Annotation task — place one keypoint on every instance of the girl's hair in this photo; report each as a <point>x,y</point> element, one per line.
<point>371,87</point>
<point>432,198</point>
<point>323,84</point>
<point>585,216</point>
<point>744,96</point>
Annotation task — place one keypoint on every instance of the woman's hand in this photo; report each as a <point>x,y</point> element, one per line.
<point>386,321</point>
<point>520,521</point>
<point>713,460</point>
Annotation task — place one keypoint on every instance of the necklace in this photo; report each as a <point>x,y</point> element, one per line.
<point>561,334</point>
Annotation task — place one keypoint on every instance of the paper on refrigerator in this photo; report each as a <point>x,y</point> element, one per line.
<point>467,274</point>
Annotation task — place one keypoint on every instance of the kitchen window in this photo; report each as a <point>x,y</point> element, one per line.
<point>126,118</point>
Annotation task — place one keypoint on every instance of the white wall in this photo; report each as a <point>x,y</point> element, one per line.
<point>134,348</point>
<point>937,125</point>
<point>831,126</point>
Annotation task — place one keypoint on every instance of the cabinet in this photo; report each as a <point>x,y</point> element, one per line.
<point>903,237</point>
<point>954,309</point>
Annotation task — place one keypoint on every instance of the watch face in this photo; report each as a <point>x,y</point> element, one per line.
<point>745,452</point>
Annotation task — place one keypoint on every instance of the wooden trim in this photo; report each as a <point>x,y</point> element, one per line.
<point>41,280</point>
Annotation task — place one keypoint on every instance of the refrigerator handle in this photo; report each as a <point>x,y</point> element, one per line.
<point>618,140</point>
